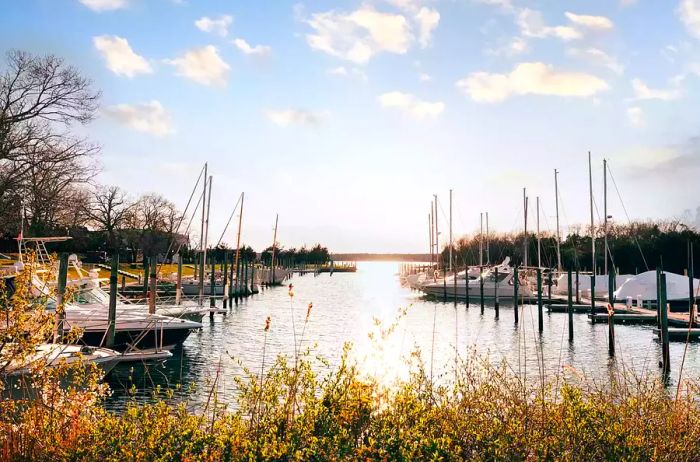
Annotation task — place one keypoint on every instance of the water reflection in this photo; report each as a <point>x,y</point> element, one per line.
<point>348,307</point>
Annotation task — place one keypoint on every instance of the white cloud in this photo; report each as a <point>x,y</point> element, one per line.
<point>689,11</point>
<point>359,35</point>
<point>247,49</point>
<point>202,65</point>
<point>427,19</point>
<point>532,24</point>
<point>423,77</point>
<point>515,46</point>
<point>529,79</point>
<point>625,3</point>
<point>105,5</point>
<point>635,116</point>
<point>287,117</point>
<point>505,5</point>
<point>411,105</point>
<point>590,22</point>
<point>599,57</point>
<point>352,72</point>
<point>217,26</point>
<point>150,117</point>
<point>642,91</point>
<point>120,58</point>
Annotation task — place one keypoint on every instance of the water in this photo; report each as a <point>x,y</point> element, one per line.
<point>347,307</point>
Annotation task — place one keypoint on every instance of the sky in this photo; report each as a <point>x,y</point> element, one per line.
<point>346,117</point>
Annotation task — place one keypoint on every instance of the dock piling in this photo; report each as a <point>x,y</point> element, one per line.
<point>540,316</point>
<point>665,354</point>
<point>495,293</point>
<point>516,283</point>
<point>570,307</point>
<point>112,310</point>
<point>481,287</point>
<point>60,294</point>
<point>611,312</point>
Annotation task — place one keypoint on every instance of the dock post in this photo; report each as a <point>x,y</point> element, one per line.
<point>195,267</point>
<point>611,312</point>
<point>224,279</point>
<point>252,277</point>
<point>658,298</point>
<point>549,287</point>
<point>444,287</point>
<point>112,311</point>
<point>481,287</point>
<point>592,295</point>
<point>178,284</point>
<point>229,276</point>
<point>578,291</point>
<point>570,307</point>
<point>212,287</point>
<point>123,282</point>
<point>246,292</point>
<point>495,293</point>
<point>691,288</point>
<point>237,290</point>
<point>146,265</point>
<point>466,282</point>
<point>665,356</point>
<point>152,285</point>
<point>60,295</point>
<point>516,282</point>
<point>540,317</point>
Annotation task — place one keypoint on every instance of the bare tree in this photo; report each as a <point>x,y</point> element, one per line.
<point>40,98</point>
<point>108,209</point>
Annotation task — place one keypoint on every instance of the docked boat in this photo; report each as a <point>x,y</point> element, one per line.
<point>643,287</point>
<point>501,286</point>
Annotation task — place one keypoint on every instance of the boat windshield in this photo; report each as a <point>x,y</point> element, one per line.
<point>90,296</point>
<point>491,276</point>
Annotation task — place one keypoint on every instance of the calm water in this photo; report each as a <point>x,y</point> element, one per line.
<point>346,307</point>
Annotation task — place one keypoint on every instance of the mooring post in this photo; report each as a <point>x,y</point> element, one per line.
<point>195,267</point>
<point>516,283</point>
<point>592,295</point>
<point>152,286</point>
<point>246,292</point>
<point>611,312</point>
<point>495,293</point>
<point>178,283</point>
<point>549,287</point>
<point>691,288</point>
<point>444,286</point>
<point>570,307</point>
<point>252,277</point>
<point>466,282</point>
<point>237,290</point>
<point>578,290</point>
<point>212,287</point>
<point>123,282</point>
<point>60,295</point>
<point>224,279</point>
<point>112,311</point>
<point>665,355</point>
<point>229,276</point>
<point>658,299</point>
<point>540,316</point>
<point>481,287</point>
<point>146,265</point>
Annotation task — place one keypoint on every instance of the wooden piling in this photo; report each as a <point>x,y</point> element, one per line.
<point>152,286</point>
<point>146,265</point>
<point>570,307</point>
<point>112,310</point>
<point>212,287</point>
<point>466,283</point>
<point>593,293</point>
<point>665,354</point>
<point>224,279</point>
<point>540,315</point>
<point>60,295</point>
<point>481,288</point>
<point>495,293</point>
<point>549,287</point>
<point>516,283</point>
<point>611,312</point>
<point>178,283</point>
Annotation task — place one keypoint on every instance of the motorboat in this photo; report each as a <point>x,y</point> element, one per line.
<point>644,287</point>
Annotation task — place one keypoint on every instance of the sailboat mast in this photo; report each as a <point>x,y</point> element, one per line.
<point>481,239</point>
<point>590,192</point>
<point>539,247</point>
<point>202,263</point>
<point>238,239</point>
<point>274,244</point>
<point>451,241</point>
<point>605,212</point>
<point>437,234</point>
<point>556,200</point>
<point>430,233</point>
<point>488,241</point>
<point>525,228</point>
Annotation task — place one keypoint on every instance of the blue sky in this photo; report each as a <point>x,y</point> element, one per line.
<point>346,117</point>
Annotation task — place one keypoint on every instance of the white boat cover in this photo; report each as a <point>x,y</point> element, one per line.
<point>644,285</point>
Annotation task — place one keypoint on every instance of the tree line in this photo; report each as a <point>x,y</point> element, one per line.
<point>633,248</point>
